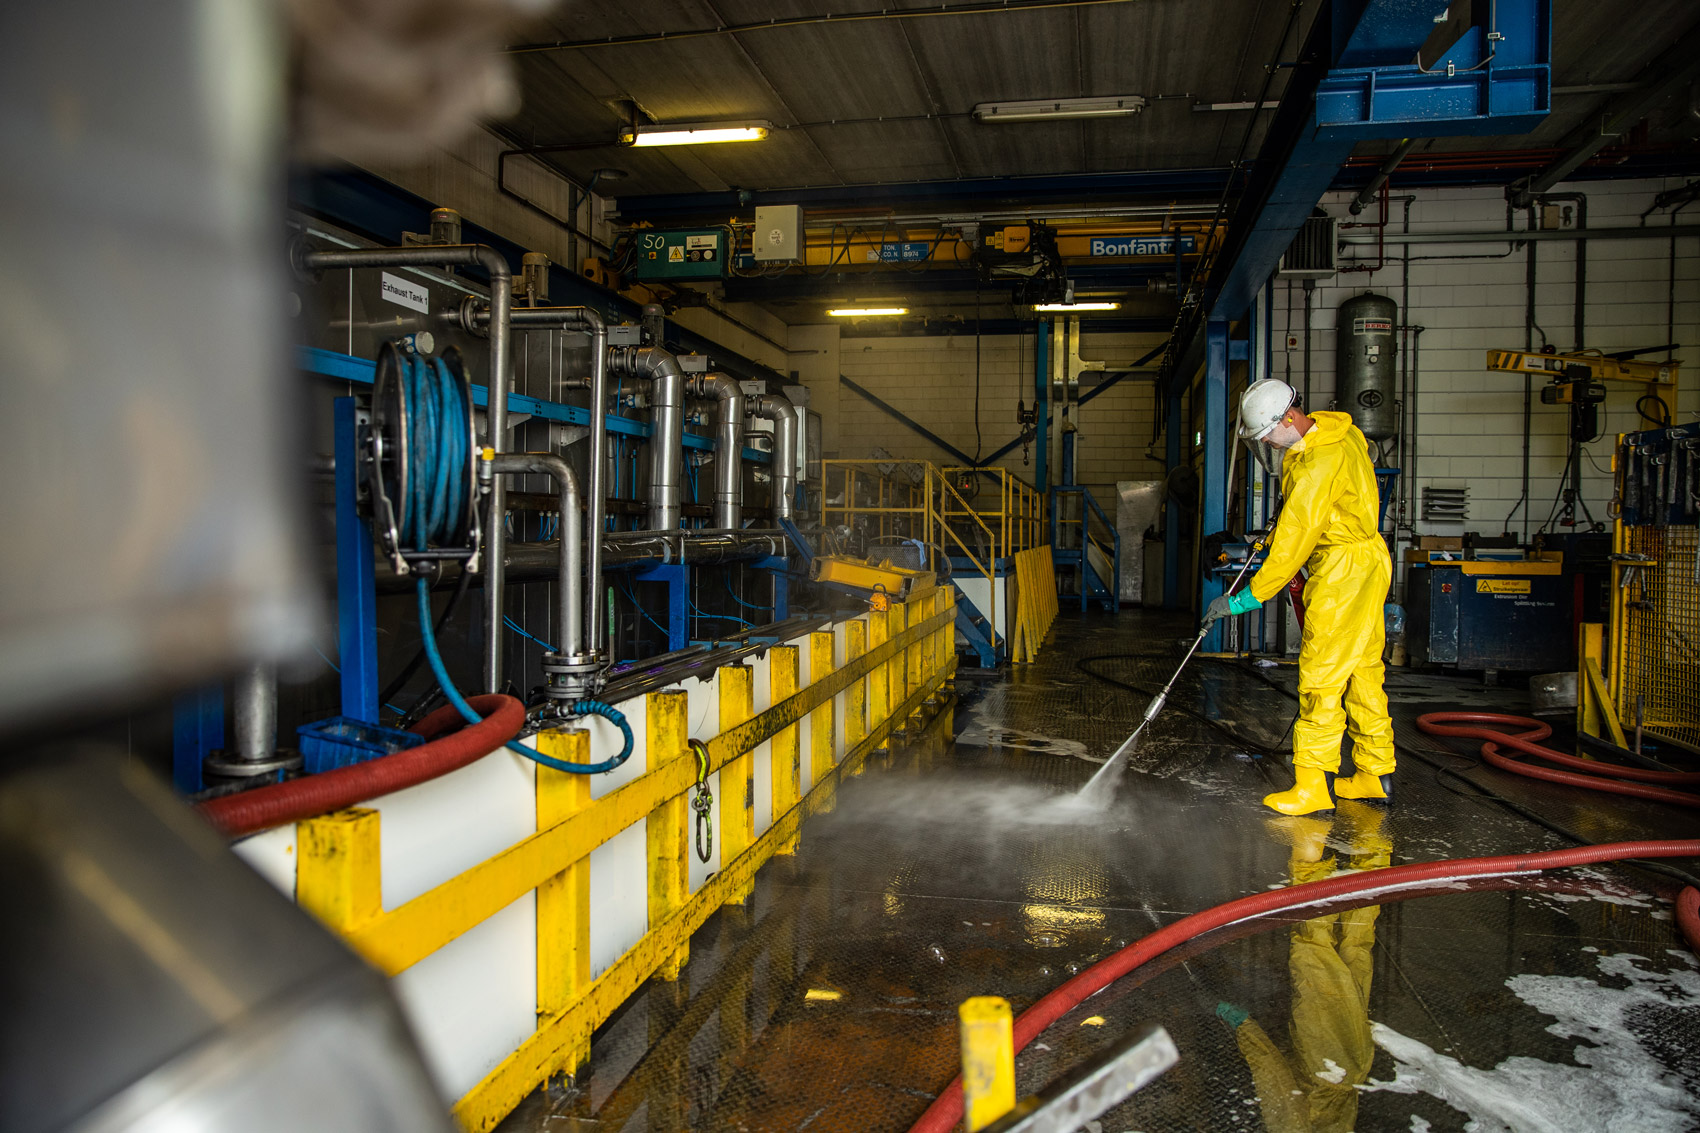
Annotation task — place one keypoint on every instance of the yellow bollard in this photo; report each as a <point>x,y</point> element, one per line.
<point>988,1060</point>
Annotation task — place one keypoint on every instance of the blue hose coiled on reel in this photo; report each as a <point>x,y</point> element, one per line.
<point>433,496</point>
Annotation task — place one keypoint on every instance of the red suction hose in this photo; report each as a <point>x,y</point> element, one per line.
<point>449,749</point>
<point>1592,774</point>
<point>1372,887</point>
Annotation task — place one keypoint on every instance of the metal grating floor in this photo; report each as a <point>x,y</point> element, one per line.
<point>829,1004</point>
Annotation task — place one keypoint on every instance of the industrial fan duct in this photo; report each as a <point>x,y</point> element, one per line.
<point>1365,363</point>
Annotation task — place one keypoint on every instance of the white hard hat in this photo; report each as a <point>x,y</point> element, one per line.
<point>1263,405</point>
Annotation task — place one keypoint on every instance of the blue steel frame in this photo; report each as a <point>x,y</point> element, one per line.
<point>1355,80</point>
<point>347,368</point>
<point>197,730</point>
<point>356,576</point>
<point>677,578</point>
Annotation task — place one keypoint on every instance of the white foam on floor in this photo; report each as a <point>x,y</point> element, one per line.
<point>1616,1086</point>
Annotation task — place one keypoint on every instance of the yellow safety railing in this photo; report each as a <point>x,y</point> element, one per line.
<point>867,494</point>
<point>898,663</point>
<point>1010,507</point>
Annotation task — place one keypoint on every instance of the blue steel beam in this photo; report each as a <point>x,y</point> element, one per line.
<point>1356,79</point>
<point>347,368</point>
<point>356,584</point>
<point>1214,511</point>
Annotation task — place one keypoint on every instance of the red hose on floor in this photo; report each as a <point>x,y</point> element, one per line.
<point>1592,774</point>
<point>946,1109</point>
<point>449,749</point>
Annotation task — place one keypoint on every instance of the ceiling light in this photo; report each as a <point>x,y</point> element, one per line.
<point>866,312</point>
<point>694,134</point>
<point>1043,109</point>
<point>1071,307</point>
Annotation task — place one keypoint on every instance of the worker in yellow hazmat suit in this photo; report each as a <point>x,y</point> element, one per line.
<point>1329,524</point>
<point>1331,961</point>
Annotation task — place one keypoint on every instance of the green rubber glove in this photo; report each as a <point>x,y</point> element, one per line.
<point>1233,1016</point>
<point>1243,602</point>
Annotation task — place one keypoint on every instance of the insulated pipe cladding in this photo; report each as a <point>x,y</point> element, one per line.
<point>501,305</point>
<point>728,396</point>
<point>667,427</point>
<point>1366,364</point>
<point>783,414</point>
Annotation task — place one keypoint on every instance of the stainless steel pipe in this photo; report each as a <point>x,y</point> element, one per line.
<point>501,306</point>
<point>728,395</point>
<point>569,572</point>
<point>667,428</point>
<point>783,414</point>
<point>254,700</point>
<point>590,321</point>
<point>541,562</point>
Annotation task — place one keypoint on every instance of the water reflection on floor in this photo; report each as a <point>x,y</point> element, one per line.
<point>829,1003</point>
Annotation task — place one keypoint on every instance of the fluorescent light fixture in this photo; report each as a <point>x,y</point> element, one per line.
<point>694,134</point>
<point>1052,109</point>
<point>1077,306</point>
<point>1267,104</point>
<point>866,312</point>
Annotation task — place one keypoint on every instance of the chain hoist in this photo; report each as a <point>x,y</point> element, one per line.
<point>702,801</point>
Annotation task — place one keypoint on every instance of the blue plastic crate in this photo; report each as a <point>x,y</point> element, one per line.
<point>341,741</point>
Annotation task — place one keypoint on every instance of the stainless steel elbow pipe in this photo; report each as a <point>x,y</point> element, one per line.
<point>667,427</point>
<point>783,414</point>
<point>501,306</point>
<point>476,317</point>
<point>728,395</point>
<point>569,581</point>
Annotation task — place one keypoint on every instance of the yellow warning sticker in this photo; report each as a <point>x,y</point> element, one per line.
<point>1502,586</point>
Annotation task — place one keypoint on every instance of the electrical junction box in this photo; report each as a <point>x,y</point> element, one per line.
<point>778,234</point>
<point>681,253</point>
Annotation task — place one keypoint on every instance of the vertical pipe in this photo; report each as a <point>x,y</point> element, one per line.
<point>1041,401</point>
<point>254,701</point>
<point>597,470</point>
<point>1172,518</point>
<point>1528,379</point>
<point>495,536</point>
<point>1212,514</point>
<point>1310,291</point>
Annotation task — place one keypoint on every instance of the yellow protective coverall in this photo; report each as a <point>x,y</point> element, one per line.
<point>1331,961</point>
<point>1328,523</point>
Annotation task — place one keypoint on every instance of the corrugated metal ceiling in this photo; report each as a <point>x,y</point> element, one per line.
<point>865,101</point>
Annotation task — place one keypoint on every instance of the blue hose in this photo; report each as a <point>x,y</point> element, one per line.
<point>432,499</point>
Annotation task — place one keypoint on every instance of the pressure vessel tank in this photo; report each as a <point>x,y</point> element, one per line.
<point>1365,366</point>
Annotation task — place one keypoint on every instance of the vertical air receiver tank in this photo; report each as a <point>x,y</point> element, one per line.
<point>1364,363</point>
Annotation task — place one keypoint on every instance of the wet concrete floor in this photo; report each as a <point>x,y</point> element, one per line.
<point>829,1003</point>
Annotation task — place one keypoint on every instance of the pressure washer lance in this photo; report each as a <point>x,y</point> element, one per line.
<point>1100,790</point>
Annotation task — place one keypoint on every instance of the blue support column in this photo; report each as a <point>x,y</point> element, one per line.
<point>677,576</point>
<point>1172,520</point>
<point>1042,403</point>
<point>1213,515</point>
<point>356,586</point>
<point>197,729</point>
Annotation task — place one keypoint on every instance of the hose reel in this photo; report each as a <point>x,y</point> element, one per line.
<point>421,460</point>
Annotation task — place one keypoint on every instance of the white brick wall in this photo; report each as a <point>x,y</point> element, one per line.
<point>1470,423</point>
<point>932,380</point>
